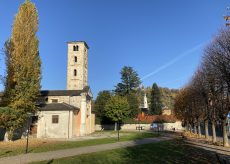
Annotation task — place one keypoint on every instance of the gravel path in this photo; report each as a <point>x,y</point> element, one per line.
<point>33,157</point>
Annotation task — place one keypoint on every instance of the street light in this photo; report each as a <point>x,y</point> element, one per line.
<point>28,131</point>
<point>227,17</point>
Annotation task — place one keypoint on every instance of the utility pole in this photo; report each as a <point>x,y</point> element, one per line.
<point>227,17</point>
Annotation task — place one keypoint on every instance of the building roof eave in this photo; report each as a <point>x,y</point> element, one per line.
<point>57,107</point>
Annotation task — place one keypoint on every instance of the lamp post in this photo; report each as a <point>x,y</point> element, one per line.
<point>28,131</point>
<point>139,119</point>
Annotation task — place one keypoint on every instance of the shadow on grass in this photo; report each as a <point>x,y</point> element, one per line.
<point>31,150</point>
<point>174,151</point>
<point>5,153</point>
<point>50,161</point>
<point>208,147</point>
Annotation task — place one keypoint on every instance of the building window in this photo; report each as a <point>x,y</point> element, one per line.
<point>75,59</point>
<point>75,72</point>
<point>55,119</point>
<point>75,48</point>
<point>54,100</point>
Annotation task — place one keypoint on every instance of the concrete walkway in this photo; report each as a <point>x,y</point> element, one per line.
<point>33,157</point>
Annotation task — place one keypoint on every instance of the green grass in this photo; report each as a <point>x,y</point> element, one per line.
<point>174,151</point>
<point>75,144</point>
<point>125,136</point>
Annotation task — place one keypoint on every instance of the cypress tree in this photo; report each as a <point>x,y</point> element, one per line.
<point>156,104</point>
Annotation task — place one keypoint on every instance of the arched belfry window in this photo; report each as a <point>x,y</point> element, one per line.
<point>75,72</point>
<point>75,48</point>
<point>75,59</point>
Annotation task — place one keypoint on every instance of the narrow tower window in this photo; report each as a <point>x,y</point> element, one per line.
<point>75,59</point>
<point>75,48</point>
<point>75,72</point>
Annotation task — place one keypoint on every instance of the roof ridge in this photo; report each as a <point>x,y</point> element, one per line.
<point>68,105</point>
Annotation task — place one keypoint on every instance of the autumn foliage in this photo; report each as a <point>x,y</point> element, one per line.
<point>206,98</point>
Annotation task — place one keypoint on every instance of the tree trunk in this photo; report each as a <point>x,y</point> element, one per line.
<point>206,129</point>
<point>9,135</point>
<point>187,126</point>
<point>115,126</point>
<point>118,129</point>
<point>225,136</point>
<point>199,130</point>
<point>195,129</point>
<point>213,132</point>
<point>6,136</point>
<point>190,128</point>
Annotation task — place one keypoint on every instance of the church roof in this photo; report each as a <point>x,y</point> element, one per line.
<point>61,92</point>
<point>64,92</point>
<point>57,107</point>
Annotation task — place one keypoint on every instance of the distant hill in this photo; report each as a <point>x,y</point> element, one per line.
<point>167,96</point>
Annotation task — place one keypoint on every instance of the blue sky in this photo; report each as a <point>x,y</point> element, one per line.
<point>161,39</point>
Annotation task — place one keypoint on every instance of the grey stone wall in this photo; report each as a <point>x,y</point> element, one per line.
<point>162,126</point>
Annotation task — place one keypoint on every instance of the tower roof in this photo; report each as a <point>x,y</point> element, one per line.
<point>74,42</point>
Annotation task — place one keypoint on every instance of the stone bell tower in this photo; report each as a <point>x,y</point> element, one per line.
<point>77,66</point>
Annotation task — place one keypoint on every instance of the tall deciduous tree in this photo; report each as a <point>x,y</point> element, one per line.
<point>23,63</point>
<point>117,109</point>
<point>217,58</point>
<point>99,105</point>
<point>129,81</point>
<point>207,97</point>
<point>8,79</point>
<point>156,104</point>
<point>134,104</point>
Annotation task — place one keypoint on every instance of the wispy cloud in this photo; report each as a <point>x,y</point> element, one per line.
<point>177,58</point>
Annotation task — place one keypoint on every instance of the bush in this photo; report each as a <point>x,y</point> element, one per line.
<point>97,120</point>
<point>134,121</point>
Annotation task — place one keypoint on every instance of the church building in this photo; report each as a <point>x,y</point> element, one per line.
<point>67,113</point>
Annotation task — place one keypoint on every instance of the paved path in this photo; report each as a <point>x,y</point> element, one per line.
<point>32,157</point>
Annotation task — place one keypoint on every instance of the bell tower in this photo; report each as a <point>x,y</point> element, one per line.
<point>77,66</point>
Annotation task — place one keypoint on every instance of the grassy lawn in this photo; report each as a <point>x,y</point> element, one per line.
<point>35,146</point>
<point>174,151</point>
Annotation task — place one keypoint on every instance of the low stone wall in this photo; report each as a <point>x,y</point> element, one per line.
<point>169,126</point>
<point>161,126</point>
<point>135,126</point>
